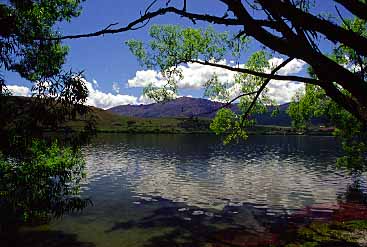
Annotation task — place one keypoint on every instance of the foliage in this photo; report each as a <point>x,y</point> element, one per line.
<point>349,130</point>
<point>227,122</point>
<point>314,102</point>
<point>28,48</point>
<point>37,181</point>
<point>46,184</point>
<point>172,46</point>
<point>24,23</point>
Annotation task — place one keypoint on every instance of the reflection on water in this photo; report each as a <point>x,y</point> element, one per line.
<point>281,173</point>
<point>156,190</point>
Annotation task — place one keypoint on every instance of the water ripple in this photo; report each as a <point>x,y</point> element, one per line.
<point>275,172</point>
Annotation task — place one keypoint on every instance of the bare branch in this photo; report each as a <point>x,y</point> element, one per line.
<point>356,7</point>
<point>261,89</point>
<point>310,22</point>
<point>260,74</point>
<point>226,104</point>
<point>147,17</point>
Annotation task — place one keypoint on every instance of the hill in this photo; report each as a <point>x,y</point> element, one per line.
<point>108,121</point>
<point>186,107</point>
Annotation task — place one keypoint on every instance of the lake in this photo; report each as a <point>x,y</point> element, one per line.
<point>184,190</point>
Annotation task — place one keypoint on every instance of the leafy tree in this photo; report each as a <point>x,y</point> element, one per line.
<point>314,102</point>
<point>36,181</point>
<point>58,94</point>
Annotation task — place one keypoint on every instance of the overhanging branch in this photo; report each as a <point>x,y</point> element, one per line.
<point>261,89</point>
<point>271,76</point>
<point>356,7</point>
<point>146,17</point>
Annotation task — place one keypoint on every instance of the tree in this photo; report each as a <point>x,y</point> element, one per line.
<point>58,94</point>
<point>43,185</point>
<point>37,181</point>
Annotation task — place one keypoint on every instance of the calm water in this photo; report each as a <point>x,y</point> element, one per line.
<point>167,190</point>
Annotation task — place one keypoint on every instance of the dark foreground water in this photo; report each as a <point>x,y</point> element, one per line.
<point>187,190</point>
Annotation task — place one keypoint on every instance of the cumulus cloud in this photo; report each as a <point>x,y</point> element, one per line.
<point>196,75</point>
<point>283,91</point>
<point>145,100</point>
<point>143,78</point>
<point>19,90</point>
<point>293,67</point>
<point>96,97</point>
<point>104,100</point>
<point>95,83</point>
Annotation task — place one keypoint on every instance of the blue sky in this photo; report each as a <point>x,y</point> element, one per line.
<point>107,60</point>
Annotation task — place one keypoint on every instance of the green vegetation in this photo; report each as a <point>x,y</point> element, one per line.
<point>315,102</point>
<point>43,185</point>
<point>37,182</point>
<point>173,45</point>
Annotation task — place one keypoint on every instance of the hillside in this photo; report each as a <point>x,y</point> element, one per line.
<point>185,107</point>
<point>108,121</point>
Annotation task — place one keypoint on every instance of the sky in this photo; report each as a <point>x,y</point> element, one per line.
<point>114,76</point>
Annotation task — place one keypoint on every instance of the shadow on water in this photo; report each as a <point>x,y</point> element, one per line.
<point>40,238</point>
<point>192,226</point>
<point>244,225</point>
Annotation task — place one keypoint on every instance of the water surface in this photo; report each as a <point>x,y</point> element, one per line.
<point>181,190</point>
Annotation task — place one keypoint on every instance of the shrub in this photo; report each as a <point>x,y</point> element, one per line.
<point>44,185</point>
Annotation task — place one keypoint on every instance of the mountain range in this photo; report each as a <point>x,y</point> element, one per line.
<point>186,107</point>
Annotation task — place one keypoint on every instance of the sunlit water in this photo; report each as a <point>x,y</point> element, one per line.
<point>153,190</point>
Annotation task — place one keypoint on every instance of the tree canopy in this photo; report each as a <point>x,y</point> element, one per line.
<point>59,94</point>
<point>36,180</point>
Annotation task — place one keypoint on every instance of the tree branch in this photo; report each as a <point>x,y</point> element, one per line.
<point>147,16</point>
<point>258,92</point>
<point>261,89</point>
<point>355,7</point>
<point>261,74</point>
<point>310,22</point>
<point>226,104</point>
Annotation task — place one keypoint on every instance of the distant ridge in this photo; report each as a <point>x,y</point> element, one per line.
<point>195,107</point>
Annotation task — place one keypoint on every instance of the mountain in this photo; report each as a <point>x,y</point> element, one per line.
<point>185,107</point>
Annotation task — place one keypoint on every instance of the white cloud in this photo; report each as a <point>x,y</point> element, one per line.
<point>104,100</point>
<point>96,97</point>
<point>95,83</point>
<point>196,75</point>
<point>19,90</point>
<point>283,91</point>
<point>143,78</point>
<point>293,67</point>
